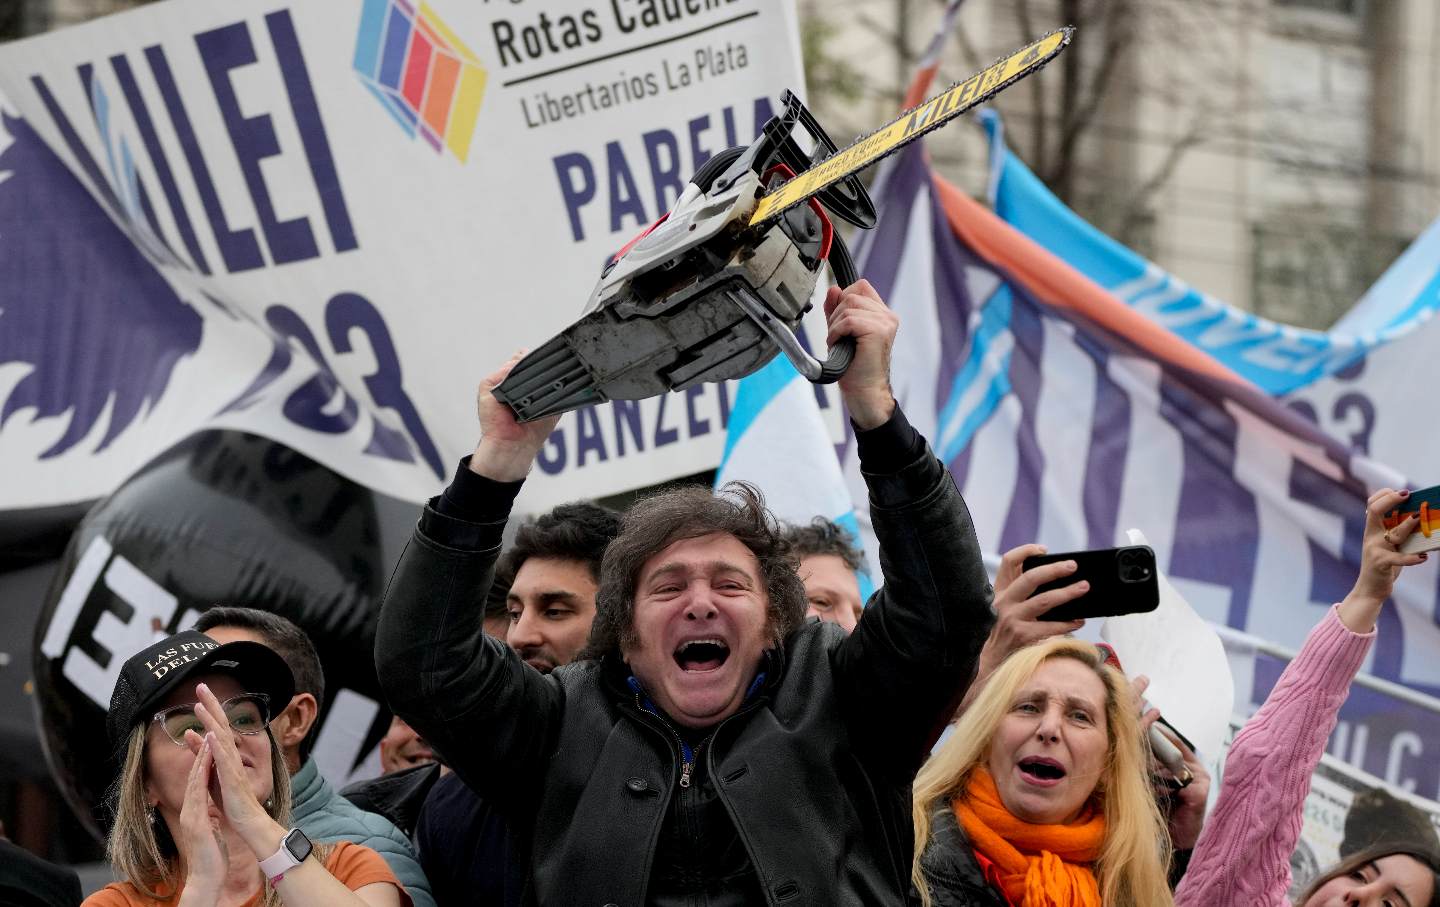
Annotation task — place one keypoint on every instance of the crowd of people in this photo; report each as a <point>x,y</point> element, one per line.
<point>686,704</point>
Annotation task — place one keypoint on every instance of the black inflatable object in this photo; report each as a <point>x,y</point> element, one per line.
<point>222,518</point>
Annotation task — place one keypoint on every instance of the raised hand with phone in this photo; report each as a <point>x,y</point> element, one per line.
<point>1039,595</point>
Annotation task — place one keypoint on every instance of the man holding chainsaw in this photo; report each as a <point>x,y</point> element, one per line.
<point>711,746</point>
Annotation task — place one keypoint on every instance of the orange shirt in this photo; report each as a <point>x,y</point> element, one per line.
<point>353,864</point>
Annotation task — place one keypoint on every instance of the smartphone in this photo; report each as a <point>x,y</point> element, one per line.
<point>1425,504</point>
<point>1122,581</point>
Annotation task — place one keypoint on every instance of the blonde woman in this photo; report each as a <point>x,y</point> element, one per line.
<point>1042,795</point>
<point>203,798</point>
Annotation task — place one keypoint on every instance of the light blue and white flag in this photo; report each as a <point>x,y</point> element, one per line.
<point>1278,358</point>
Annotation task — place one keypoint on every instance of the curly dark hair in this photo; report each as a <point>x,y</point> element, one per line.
<point>822,536</point>
<point>656,522</point>
<point>571,532</point>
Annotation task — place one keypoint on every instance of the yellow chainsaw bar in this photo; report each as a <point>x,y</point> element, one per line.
<point>912,124</point>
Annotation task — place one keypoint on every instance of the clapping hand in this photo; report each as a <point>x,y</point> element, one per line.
<point>229,788</point>
<point>200,840</point>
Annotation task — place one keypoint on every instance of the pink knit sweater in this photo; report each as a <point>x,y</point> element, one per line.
<point>1243,856</point>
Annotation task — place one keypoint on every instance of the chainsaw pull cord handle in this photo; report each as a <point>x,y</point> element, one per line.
<point>843,267</point>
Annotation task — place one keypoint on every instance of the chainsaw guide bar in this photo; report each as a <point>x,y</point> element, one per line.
<point>912,124</point>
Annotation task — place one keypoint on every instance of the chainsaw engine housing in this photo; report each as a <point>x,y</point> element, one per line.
<point>702,295</point>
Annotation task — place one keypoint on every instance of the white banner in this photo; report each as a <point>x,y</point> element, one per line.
<point>324,223</point>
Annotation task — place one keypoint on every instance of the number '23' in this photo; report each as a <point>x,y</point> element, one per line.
<point>345,314</point>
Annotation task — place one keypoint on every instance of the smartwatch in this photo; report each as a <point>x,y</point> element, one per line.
<point>294,848</point>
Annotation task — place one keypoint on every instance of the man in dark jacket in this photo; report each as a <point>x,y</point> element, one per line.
<point>713,748</point>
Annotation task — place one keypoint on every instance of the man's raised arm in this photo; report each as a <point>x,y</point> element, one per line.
<point>490,715</point>
<point>915,649</point>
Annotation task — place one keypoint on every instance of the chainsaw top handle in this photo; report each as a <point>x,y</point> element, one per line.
<point>841,265</point>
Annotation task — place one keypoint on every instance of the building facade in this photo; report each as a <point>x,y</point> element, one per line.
<point>1277,154</point>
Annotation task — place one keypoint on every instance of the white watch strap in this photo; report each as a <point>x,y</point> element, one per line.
<point>278,862</point>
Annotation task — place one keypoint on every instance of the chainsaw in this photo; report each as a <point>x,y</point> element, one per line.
<point>715,288</point>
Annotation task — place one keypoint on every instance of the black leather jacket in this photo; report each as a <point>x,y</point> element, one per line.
<point>813,773</point>
<point>951,870</point>
<point>397,796</point>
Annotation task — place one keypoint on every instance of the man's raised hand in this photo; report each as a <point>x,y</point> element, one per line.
<point>507,446</point>
<point>858,311</point>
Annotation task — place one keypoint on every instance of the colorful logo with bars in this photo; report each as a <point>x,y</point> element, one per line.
<point>423,74</point>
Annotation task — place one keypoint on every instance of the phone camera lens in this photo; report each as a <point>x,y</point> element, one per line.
<point>1132,570</point>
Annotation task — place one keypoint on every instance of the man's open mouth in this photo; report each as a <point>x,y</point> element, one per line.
<point>1041,770</point>
<point>697,655</point>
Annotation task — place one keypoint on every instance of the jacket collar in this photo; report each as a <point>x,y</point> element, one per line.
<point>308,789</point>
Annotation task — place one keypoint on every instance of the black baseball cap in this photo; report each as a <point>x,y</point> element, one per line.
<point>152,673</point>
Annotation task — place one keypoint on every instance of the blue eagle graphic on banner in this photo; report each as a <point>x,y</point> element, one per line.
<point>80,304</point>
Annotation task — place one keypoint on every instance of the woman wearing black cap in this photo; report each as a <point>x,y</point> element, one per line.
<point>203,798</point>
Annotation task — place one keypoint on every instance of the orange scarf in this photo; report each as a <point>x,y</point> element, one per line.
<point>1039,865</point>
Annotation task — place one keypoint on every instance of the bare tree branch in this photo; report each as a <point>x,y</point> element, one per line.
<point>1039,140</point>
<point>1138,205</point>
<point>1077,116</point>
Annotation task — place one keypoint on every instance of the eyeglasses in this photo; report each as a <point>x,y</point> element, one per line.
<point>248,714</point>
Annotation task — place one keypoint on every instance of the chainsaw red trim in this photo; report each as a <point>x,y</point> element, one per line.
<point>641,235</point>
<point>827,229</point>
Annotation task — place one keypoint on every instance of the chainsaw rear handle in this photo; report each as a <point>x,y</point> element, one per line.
<point>843,352</point>
<point>838,362</point>
<point>843,267</point>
